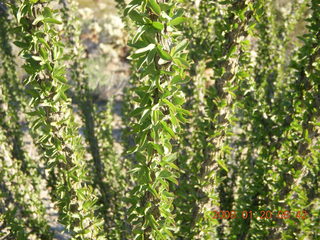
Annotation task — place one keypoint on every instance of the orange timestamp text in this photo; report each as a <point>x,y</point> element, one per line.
<point>262,214</point>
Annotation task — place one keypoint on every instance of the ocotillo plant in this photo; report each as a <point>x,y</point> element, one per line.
<point>297,154</point>
<point>23,204</point>
<point>24,211</point>
<point>84,99</point>
<point>43,55</point>
<point>223,125</point>
<point>161,61</point>
<point>11,90</point>
<point>219,99</point>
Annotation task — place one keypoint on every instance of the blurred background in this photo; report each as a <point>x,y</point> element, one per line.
<point>105,39</point>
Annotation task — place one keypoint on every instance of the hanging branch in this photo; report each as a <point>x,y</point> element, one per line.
<point>298,160</point>
<point>263,120</point>
<point>16,169</point>
<point>161,62</point>
<point>43,54</point>
<point>220,98</point>
<point>22,209</point>
<point>83,97</point>
<point>11,91</point>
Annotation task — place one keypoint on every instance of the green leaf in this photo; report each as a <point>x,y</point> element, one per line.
<point>145,49</point>
<point>155,116</point>
<point>183,111</point>
<point>176,79</point>
<point>158,25</point>
<point>222,164</point>
<point>180,47</point>
<point>171,157</point>
<point>150,57</point>
<point>174,120</point>
<point>38,19</point>
<point>181,118</point>
<point>140,31</point>
<point>155,7</point>
<point>135,16</point>
<point>145,114</point>
<point>177,21</point>
<point>168,194</point>
<point>136,112</point>
<point>173,179</point>
<point>130,7</point>
<point>165,174</point>
<point>158,148</point>
<point>163,54</point>
<point>43,52</point>
<point>232,50</point>
<point>47,12</point>
<point>178,100</point>
<point>153,191</point>
<point>181,62</point>
<point>158,83</point>
<point>21,44</point>
<point>41,40</point>
<point>168,129</point>
<point>52,20</point>
<point>170,105</point>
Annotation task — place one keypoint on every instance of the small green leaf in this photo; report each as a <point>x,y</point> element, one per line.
<point>155,7</point>
<point>168,194</point>
<point>181,62</point>
<point>153,191</point>
<point>140,31</point>
<point>145,114</point>
<point>176,79</point>
<point>145,49</point>
<point>130,7</point>
<point>158,25</point>
<point>168,129</point>
<point>43,52</point>
<point>177,21</point>
<point>183,111</point>
<point>158,148</point>
<point>135,16</point>
<point>163,54</point>
<point>170,105</point>
<point>38,19</point>
<point>21,44</point>
<point>52,20</point>
<point>150,57</point>
<point>165,174</point>
<point>222,164</point>
<point>178,100</point>
<point>180,47</point>
<point>171,157</point>
<point>155,116</point>
<point>136,112</point>
<point>174,180</point>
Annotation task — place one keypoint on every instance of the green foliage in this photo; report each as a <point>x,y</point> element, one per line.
<point>83,97</point>
<point>21,208</point>
<point>161,59</point>
<point>221,114</point>
<point>43,54</point>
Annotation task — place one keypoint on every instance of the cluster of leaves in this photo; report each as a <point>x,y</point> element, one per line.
<point>160,59</point>
<point>22,212</point>
<point>52,116</point>
<point>222,111</point>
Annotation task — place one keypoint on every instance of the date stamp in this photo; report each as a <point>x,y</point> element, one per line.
<point>263,214</point>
